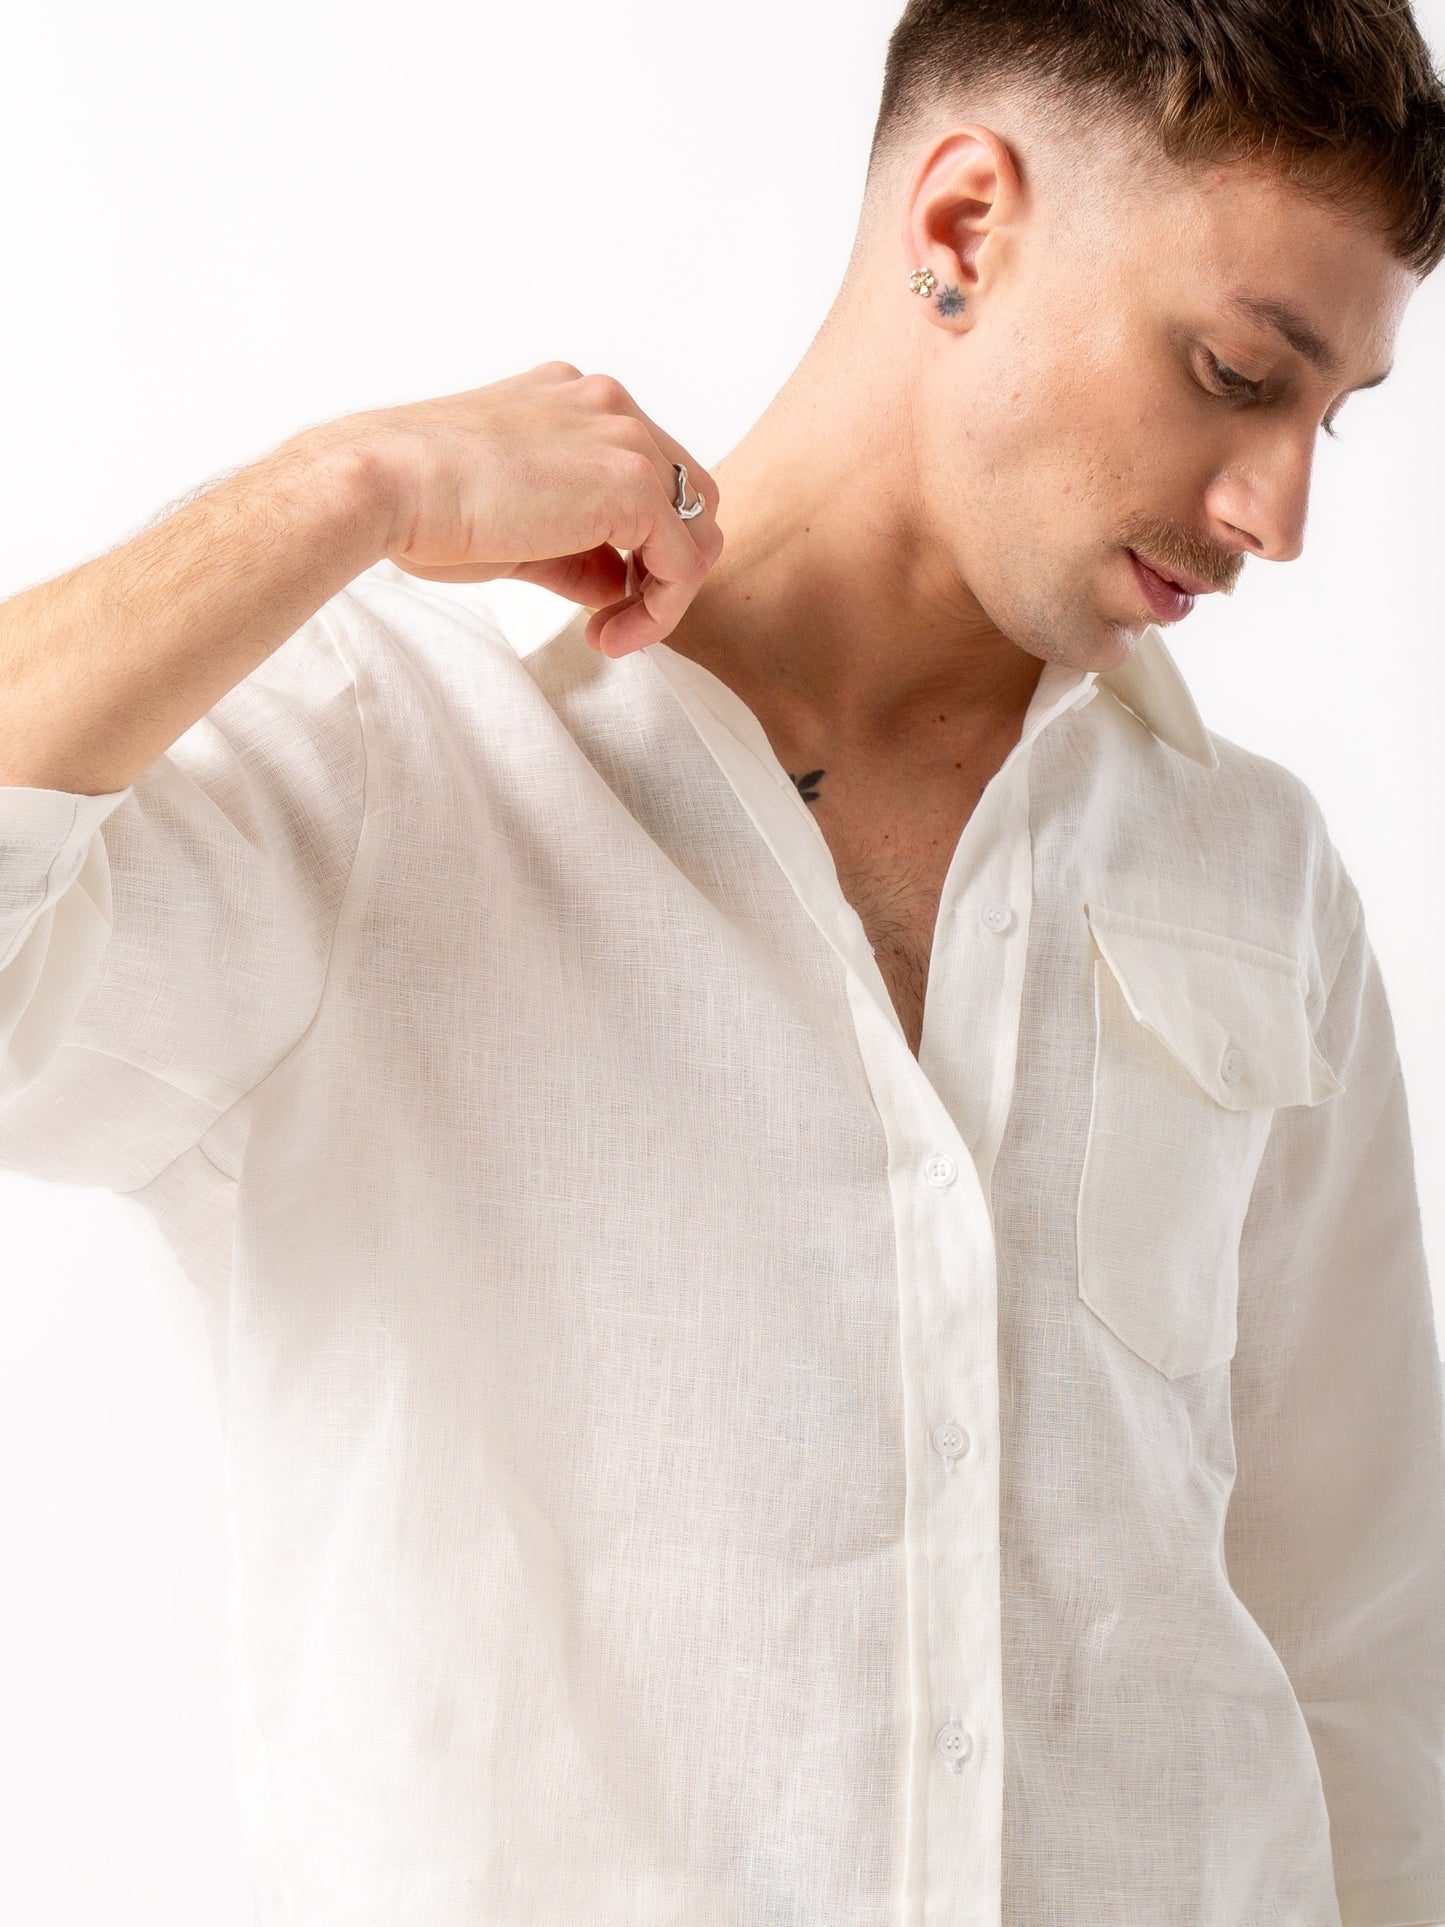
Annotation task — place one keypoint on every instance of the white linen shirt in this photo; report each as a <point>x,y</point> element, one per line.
<point>690,1461</point>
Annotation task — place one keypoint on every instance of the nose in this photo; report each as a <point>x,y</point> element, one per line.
<point>1259,503</point>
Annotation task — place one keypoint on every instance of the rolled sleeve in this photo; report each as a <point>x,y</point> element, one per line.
<point>165,946</point>
<point>46,836</point>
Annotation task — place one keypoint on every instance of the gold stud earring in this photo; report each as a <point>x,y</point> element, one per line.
<point>923,281</point>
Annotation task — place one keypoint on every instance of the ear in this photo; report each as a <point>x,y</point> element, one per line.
<point>967,194</point>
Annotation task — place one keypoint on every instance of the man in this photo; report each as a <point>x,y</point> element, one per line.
<point>808,1218</point>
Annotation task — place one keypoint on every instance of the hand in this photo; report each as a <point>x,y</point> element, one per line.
<point>544,477</point>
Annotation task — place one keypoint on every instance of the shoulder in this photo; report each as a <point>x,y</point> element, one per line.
<point>1284,848</point>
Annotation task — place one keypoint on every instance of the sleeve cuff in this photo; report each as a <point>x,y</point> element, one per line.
<point>45,836</point>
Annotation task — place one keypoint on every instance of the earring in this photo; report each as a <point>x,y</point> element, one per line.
<point>923,281</point>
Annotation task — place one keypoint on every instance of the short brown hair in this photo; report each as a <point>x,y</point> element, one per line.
<point>1342,96</point>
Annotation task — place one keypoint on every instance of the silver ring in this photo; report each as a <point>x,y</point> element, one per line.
<point>680,504</point>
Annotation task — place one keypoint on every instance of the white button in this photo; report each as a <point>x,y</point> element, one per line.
<point>1232,1068</point>
<point>940,1169</point>
<point>995,916</point>
<point>950,1439</point>
<point>954,1744</point>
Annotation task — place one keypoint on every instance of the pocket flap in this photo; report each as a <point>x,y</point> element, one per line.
<point>1231,1012</point>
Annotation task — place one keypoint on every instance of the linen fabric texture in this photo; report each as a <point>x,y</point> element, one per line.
<point>689,1460</point>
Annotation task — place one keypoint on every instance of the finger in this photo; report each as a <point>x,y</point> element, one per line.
<point>701,528</point>
<point>664,450</point>
<point>662,577</point>
<point>668,567</point>
<point>618,401</point>
<point>699,482</point>
<point>597,578</point>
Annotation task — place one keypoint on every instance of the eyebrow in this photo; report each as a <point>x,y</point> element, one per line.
<point>1299,334</point>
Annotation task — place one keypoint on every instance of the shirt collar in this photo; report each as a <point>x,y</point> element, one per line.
<point>1151,685</point>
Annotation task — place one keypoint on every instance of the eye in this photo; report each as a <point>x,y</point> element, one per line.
<point>1236,384</point>
<point>1233,382</point>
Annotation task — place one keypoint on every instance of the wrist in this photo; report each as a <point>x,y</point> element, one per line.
<point>347,473</point>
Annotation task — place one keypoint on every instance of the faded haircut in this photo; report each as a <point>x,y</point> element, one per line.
<point>1341,97</point>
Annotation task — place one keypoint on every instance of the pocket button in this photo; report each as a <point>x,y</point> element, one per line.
<point>1231,1068</point>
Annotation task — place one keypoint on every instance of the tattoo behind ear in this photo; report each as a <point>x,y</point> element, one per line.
<point>808,785</point>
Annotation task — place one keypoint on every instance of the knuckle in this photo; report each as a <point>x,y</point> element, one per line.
<point>605,390</point>
<point>634,468</point>
<point>629,434</point>
<point>566,369</point>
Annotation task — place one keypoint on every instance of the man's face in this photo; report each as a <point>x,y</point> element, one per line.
<point>1097,418</point>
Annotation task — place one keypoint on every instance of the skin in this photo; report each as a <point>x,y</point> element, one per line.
<point>940,499</point>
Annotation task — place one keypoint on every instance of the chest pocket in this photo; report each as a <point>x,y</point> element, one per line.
<point>1200,1038</point>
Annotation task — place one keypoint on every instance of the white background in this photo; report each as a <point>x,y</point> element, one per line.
<point>220,225</point>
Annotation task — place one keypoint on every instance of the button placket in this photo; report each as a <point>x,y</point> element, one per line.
<point>948,1276</point>
<point>947,1285</point>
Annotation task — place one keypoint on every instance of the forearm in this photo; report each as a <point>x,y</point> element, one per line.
<point>103,668</point>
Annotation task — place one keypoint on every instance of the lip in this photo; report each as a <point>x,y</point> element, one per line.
<point>1168,602</point>
<point>1186,584</point>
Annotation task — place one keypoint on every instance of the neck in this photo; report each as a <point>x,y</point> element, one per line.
<point>831,602</point>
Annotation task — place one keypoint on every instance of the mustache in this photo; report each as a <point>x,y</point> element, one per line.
<point>1187,555</point>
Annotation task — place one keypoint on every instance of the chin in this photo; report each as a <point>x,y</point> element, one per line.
<point>1079,635</point>
<point>1123,639</point>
